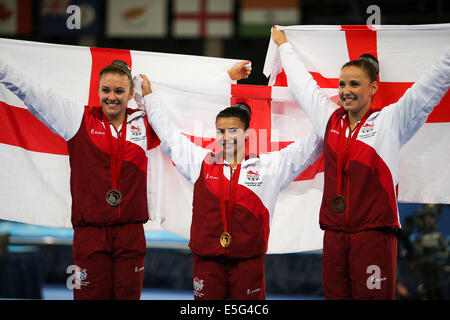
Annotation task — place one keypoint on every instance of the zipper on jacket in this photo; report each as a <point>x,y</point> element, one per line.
<point>227,250</point>
<point>347,200</point>
<point>118,149</point>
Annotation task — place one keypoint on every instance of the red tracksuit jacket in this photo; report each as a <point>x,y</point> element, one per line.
<point>90,177</point>
<point>369,183</point>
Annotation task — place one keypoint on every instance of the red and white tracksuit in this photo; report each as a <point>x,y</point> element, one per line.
<point>109,242</point>
<point>237,271</point>
<point>362,238</point>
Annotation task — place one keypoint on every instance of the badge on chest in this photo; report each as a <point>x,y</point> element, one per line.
<point>253,178</point>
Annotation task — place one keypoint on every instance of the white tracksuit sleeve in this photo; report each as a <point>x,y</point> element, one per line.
<point>187,157</point>
<point>411,111</point>
<point>61,116</point>
<point>317,106</point>
<point>291,161</point>
<point>224,78</point>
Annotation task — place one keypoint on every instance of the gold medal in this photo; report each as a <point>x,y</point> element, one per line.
<point>225,239</point>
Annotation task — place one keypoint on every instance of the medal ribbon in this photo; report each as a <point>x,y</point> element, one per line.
<point>116,157</point>
<point>344,155</point>
<point>226,214</point>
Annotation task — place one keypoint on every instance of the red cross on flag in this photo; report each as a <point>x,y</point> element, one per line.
<point>404,53</point>
<point>203,18</point>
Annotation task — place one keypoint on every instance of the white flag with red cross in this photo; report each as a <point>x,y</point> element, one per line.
<point>34,176</point>
<point>35,172</point>
<point>203,18</point>
<point>404,53</point>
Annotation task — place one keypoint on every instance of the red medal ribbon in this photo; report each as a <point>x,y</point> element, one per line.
<point>116,157</point>
<point>344,155</point>
<point>226,214</point>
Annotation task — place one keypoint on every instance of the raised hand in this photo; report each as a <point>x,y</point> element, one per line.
<point>240,70</point>
<point>278,36</point>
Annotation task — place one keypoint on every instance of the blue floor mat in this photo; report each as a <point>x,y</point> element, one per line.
<point>58,292</point>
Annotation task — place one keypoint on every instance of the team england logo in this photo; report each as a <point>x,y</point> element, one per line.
<point>252,176</point>
<point>198,286</point>
<point>135,130</point>
<point>367,127</point>
<point>253,179</point>
<point>367,130</point>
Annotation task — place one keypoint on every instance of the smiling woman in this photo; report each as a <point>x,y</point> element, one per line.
<point>357,86</point>
<point>109,207</point>
<point>231,132</point>
<point>115,90</point>
<point>361,155</point>
<point>234,196</point>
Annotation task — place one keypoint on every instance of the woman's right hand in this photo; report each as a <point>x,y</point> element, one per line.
<point>240,70</point>
<point>146,89</point>
<point>278,36</point>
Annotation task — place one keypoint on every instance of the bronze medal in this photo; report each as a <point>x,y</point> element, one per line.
<point>113,197</point>
<point>338,204</point>
<point>225,239</point>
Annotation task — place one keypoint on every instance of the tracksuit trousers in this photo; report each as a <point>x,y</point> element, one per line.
<point>360,265</point>
<point>227,278</point>
<point>109,262</point>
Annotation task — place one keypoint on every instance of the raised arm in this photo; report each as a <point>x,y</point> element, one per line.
<point>187,157</point>
<point>240,70</point>
<point>317,106</point>
<point>61,116</point>
<point>411,111</point>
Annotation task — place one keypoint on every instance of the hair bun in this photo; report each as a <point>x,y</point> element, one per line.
<point>372,60</point>
<point>244,106</point>
<point>121,63</point>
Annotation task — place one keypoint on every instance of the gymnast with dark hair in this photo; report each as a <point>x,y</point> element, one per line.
<point>234,197</point>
